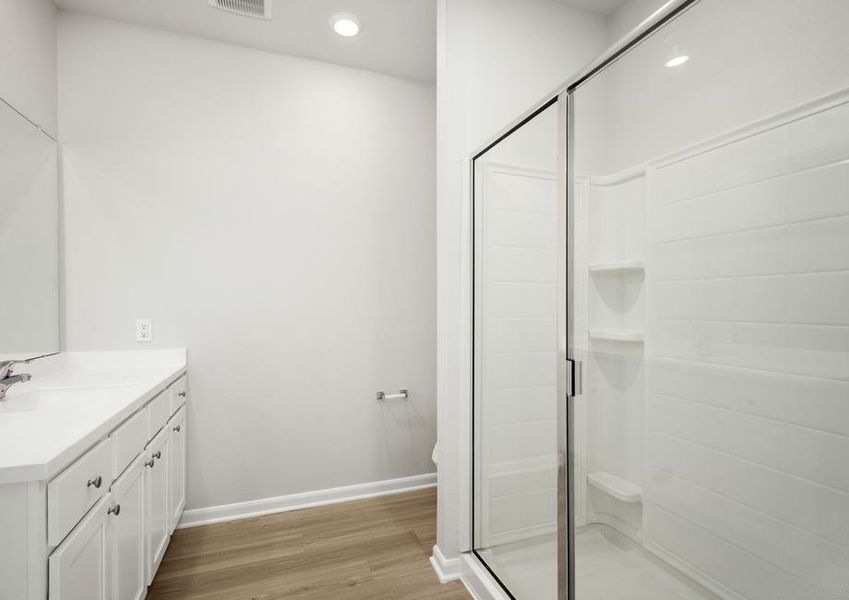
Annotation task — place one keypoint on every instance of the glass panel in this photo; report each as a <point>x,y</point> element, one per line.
<point>712,309</point>
<point>515,365</point>
<point>29,247</point>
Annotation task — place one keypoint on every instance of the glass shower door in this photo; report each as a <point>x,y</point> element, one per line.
<point>518,282</point>
<point>711,294</point>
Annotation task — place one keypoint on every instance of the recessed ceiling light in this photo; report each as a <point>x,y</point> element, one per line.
<point>677,61</point>
<point>346,25</point>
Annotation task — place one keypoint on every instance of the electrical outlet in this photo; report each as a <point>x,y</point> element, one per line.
<point>144,330</point>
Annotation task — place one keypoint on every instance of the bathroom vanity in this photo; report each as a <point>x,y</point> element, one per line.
<point>92,474</point>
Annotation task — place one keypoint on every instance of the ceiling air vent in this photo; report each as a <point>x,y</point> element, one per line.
<point>259,9</point>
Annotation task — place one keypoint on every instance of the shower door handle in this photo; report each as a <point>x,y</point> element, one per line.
<point>574,381</point>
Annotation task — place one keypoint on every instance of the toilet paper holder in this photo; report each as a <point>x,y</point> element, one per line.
<point>401,395</point>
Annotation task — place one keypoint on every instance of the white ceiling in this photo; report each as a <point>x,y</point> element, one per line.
<point>604,7</point>
<point>398,37</point>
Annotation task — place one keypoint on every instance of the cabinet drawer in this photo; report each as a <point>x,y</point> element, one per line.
<point>76,489</point>
<point>129,439</point>
<point>159,410</point>
<point>179,393</point>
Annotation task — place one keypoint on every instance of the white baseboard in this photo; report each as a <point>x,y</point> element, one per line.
<point>466,568</point>
<point>266,506</point>
<point>478,581</point>
<point>446,569</point>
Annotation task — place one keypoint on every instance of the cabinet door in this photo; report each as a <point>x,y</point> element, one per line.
<point>156,492</point>
<point>177,467</point>
<point>126,531</point>
<point>79,567</point>
<point>179,393</point>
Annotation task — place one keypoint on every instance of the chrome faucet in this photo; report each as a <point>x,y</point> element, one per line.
<point>7,379</point>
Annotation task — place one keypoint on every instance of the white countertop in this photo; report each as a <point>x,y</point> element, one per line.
<point>74,400</point>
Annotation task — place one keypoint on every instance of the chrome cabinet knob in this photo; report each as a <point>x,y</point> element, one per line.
<point>150,463</point>
<point>157,454</point>
<point>176,428</point>
<point>95,481</point>
<point>182,394</point>
<point>115,510</point>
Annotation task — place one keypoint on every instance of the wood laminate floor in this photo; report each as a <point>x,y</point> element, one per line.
<point>375,549</point>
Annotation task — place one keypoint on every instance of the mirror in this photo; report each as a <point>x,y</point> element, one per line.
<point>29,239</point>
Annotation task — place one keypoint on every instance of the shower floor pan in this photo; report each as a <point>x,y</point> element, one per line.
<point>607,566</point>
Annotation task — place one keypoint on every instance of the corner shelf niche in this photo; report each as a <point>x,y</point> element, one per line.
<point>615,273</point>
<point>616,312</point>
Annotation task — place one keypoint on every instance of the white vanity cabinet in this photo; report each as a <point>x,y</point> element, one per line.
<point>99,528</point>
<point>156,490</point>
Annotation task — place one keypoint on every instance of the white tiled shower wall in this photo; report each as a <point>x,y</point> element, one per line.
<point>516,332</point>
<point>518,313</point>
<point>748,349</point>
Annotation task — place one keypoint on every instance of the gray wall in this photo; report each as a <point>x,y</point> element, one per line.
<point>276,217</point>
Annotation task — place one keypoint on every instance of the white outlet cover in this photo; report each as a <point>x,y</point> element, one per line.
<point>144,330</point>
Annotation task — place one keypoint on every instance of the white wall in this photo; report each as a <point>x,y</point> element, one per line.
<point>28,67</point>
<point>629,15</point>
<point>274,215</point>
<point>495,59</point>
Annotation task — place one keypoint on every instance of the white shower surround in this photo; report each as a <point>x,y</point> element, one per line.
<point>745,357</point>
<point>707,413</point>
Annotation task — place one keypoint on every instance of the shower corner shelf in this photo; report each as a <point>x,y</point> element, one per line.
<point>615,486</point>
<point>618,335</point>
<point>621,266</point>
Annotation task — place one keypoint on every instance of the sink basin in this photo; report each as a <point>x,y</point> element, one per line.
<point>25,401</point>
<point>71,399</point>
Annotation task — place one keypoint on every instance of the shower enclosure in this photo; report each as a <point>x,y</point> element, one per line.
<point>661,317</point>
